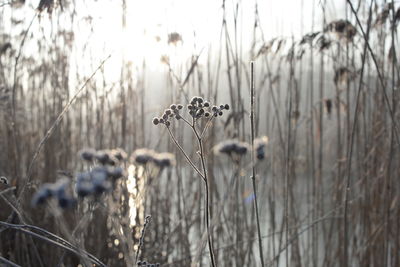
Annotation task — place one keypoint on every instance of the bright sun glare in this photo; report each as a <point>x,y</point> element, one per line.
<point>148,23</point>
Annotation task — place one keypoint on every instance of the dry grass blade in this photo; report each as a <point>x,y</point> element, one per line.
<point>378,70</point>
<point>52,239</point>
<point>8,263</point>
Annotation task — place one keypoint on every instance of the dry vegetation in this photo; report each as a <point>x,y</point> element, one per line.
<point>87,180</point>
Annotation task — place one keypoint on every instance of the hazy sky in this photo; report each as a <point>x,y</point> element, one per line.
<point>199,23</point>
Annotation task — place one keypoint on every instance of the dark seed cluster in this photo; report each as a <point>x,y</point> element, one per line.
<point>104,157</point>
<point>58,190</point>
<point>231,147</point>
<point>144,156</point>
<point>101,178</point>
<point>172,112</point>
<point>147,264</point>
<point>260,145</point>
<point>234,147</point>
<point>97,181</point>
<point>197,108</point>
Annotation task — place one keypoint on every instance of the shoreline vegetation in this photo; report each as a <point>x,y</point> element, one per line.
<point>285,152</point>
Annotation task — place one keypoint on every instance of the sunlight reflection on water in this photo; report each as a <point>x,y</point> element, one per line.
<point>132,189</point>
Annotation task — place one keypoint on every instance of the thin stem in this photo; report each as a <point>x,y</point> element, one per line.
<point>207,125</point>
<point>186,121</point>
<point>8,263</point>
<point>252,98</point>
<point>350,151</point>
<point>59,242</point>
<point>380,77</point>
<point>207,210</point>
<point>184,154</point>
<point>141,240</point>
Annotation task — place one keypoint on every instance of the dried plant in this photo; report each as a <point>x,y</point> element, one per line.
<point>327,95</point>
<point>343,29</point>
<point>198,110</point>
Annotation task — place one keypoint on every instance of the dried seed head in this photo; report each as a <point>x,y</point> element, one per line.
<point>57,190</point>
<point>260,145</point>
<point>168,111</point>
<point>3,180</point>
<point>103,157</point>
<point>226,106</point>
<point>221,106</point>
<point>214,108</point>
<point>106,157</point>
<point>119,154</point>
<point>180,106</point>
<point>174,38</point>
<point>207,114</point>
<point>167,123</point>
<point>161,120</point>
<point>40,197</point>
<point>156,121</point>
<point>65,201</point>
<point>164,160</point>
<point>115,173</point>
<point>206,104</point>
<point>142,156</point>
<point>173,107</point>
<point>100,186</point>
<point>232,147</point>
<point>84,185</point>
<point>87,154</point>
<point>343,28</point>
<point>99,173</point>
<point>200,100</point>
<point>220,113</point>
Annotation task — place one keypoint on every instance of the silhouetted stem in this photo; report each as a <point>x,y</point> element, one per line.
<point>207,210</point>
<point>253,178</point>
